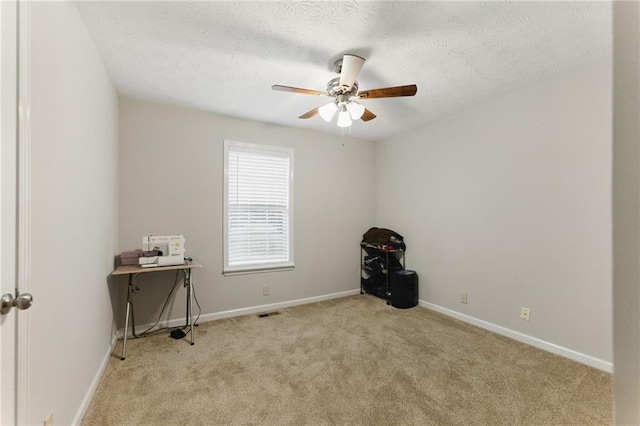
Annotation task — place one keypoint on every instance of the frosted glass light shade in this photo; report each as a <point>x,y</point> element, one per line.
<point>327,111</point>
<point>355,109</point>
<point>343,118</point>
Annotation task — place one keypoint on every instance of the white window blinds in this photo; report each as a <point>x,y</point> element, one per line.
<point>258,187</point>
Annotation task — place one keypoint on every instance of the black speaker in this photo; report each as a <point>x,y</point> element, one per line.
<point>404,289</point>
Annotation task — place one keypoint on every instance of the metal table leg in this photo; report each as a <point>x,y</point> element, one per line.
<point>189,317</point>
<point>126,320</point>
<point>190,301</point>
<point>186,285</point>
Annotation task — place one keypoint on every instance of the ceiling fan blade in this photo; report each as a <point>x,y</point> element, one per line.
<point>351,66</point>
<point>389,92</point>
<point>368,115</point>
<point>310,114</point>
<point>298,90</point>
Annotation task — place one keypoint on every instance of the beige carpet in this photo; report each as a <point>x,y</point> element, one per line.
<point>350,361</point>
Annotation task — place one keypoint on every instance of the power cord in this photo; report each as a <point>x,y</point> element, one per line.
<point>166,302</point>
<point>147,332</point>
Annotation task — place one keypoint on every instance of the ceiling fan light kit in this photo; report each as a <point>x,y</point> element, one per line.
<point>344,120</point>
<point>355,109</point>
<point>344,90</point>
<point>327,111</point>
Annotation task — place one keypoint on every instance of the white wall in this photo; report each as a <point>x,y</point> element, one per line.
<point>171,171</point>
<point>74,234</point>
<point>626,212</point>
<point>510,202</point>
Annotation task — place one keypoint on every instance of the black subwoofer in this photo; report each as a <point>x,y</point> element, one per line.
<point>404,289</point>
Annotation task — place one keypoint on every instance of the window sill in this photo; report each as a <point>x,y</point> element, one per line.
<point>256,270</point>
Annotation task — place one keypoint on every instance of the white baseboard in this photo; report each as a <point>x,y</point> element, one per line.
<point>94,383</point>
<point>521,337</point>
<point>275,306</point>
<point>246,311</point>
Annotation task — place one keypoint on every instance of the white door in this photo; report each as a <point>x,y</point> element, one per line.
<point>8,137</point>
<point>13,222</point>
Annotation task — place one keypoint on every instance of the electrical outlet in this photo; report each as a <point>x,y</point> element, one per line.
<point>266,290</point>
<point>525,313</point>
<point>49,420</point>
<point>463,297</point>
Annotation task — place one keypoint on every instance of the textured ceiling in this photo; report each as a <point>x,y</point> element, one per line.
<point>224,56</point>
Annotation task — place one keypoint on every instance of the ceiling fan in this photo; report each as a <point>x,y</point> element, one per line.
<point>345,94</point>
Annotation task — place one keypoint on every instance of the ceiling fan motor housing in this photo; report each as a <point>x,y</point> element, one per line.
<point>334,89</point>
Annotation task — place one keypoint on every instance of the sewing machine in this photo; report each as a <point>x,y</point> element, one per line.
<point>171,249</point>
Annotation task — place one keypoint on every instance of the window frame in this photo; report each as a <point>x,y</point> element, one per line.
<point>260,267</point>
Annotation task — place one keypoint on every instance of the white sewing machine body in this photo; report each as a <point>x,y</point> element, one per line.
<point>171,246</point>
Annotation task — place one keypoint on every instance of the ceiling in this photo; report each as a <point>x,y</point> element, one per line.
<point>224,57</point>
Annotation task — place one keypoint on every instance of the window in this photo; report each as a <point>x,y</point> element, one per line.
<point>258,212</point>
